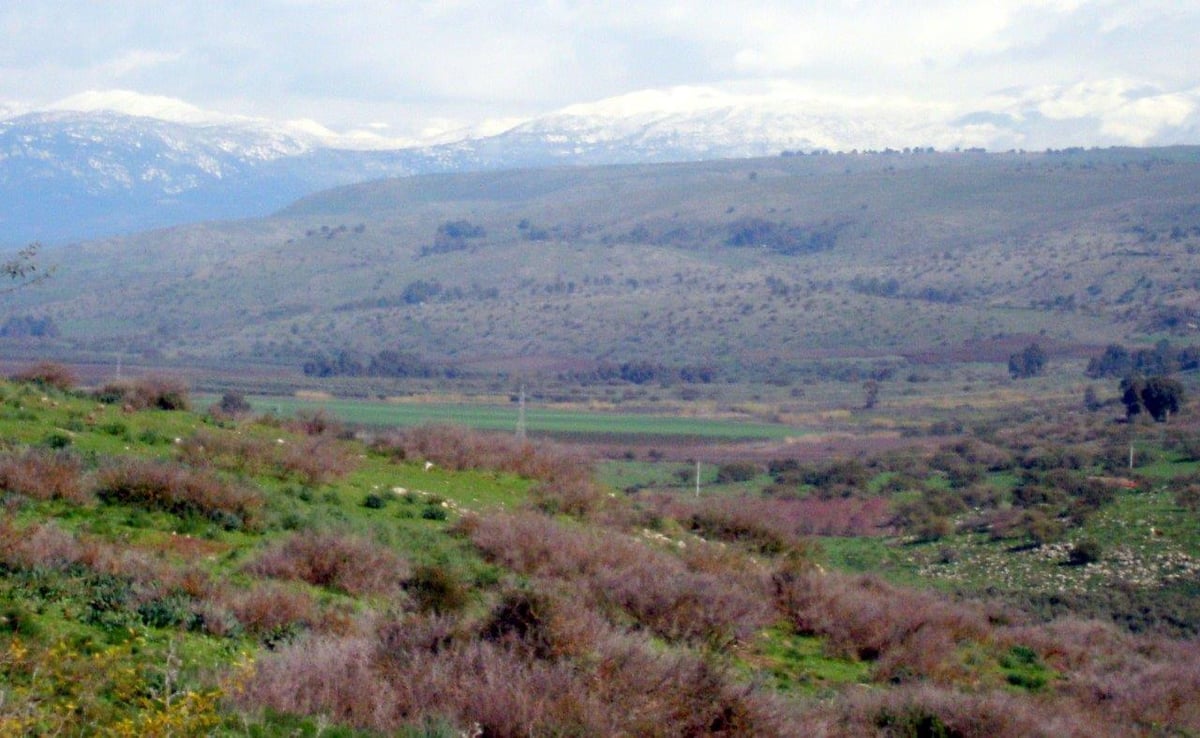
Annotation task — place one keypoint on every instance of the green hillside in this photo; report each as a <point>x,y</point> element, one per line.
<point>166,572</point>
<point>752,269</point>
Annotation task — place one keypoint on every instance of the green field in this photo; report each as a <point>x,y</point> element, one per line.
<point>538,421</point>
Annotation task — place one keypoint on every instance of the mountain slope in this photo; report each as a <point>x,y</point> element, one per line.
<point>754,267</point>
<point>67,175</point>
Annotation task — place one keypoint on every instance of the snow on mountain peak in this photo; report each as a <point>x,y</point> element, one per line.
<point>669,101</point>
<point>128,102</point>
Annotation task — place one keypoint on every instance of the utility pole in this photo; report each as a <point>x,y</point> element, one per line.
<point>521,414</point>
<point>697,478</point>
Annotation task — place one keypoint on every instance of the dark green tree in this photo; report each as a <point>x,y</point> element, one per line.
<point>1027,363</point>
<point>1114,362</point>
<point>1159,397</point>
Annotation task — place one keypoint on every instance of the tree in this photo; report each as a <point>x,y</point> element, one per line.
<point>1027,363</point>
<point>1114,362</point>
<point>1162,397</point>
<point>871,390</point>
<point>1157,396</point>
<point>234,403</point>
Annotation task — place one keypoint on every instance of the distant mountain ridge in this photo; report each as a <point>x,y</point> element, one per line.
<point>77,174</point>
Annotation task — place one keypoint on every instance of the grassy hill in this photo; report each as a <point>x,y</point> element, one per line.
<point>757,269</point>
<point>171,572</point>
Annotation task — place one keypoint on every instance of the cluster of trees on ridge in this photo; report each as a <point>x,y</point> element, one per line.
<point>386,363</point>
<point>1117,361</point>
<point>453,235</point>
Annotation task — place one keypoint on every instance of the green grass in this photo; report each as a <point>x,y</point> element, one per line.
<point>796,663</point>
<point>889,558</point>
<point>539,421</point>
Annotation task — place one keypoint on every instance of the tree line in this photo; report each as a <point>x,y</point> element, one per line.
<point>387,363</point>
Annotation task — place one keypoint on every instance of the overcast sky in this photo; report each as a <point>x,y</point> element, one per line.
<point>407,68</point>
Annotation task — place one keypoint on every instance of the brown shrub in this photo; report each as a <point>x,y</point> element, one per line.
<point>340,561</point>
<point>179,490</point>
<point>316,460</point>
<point>161,393</point>
<point>436,588</point>
<point>315,423</point>
<point>237,453</point>
<point>458,448</point>
<point>48,374</point>
<point>37,546</point>
<point>988,455</point>
<point>928,710</point>
<point>543,622</point>
<point>911,634</point>
<point>776,526</point>
<point>1128,680</point>
<point>576,495</point>
<point>324,676</point>
<point>425,669</point>
<point>566,480</point>
<point>268,608</point>
<point>46,546</point>
<point>1164,692</point>
<point>627,577</point>
<point>45,475</point>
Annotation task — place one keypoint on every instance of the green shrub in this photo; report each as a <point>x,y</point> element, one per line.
<point>433,513</point>
<point>115,428</point>
<point>234,403</point>
<point>57,439</point>
<point>151,437</point>
<point>1085,551</point>
<point>737,471</point>
<point>436,589</point>
<point>912,722</point>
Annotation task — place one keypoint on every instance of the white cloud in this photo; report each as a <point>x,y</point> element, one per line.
<point>135,60</point>
<point>441,65</point>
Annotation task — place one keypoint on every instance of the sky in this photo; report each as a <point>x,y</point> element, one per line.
<point>415,70</point>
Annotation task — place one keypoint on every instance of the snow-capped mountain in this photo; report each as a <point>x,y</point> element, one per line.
<point>101,163</point>
<point>68,175</point>
<point>702,122</point>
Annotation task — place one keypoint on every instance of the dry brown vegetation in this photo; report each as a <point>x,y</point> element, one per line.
<point>627,578</point>
<point>347,563</point>
<point>504,685</point>
<point>45,475</point>
<point>48,374</point>
<point>312,460</point>
<point>181,490</point>
<point>566,480</point>
<point>151,392</point>
<point>777,526</point>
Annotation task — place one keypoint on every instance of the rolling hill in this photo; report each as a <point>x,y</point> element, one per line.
<point>758,269</point>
